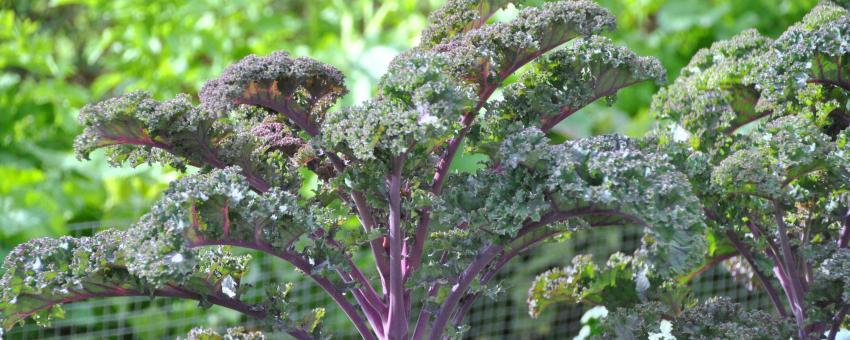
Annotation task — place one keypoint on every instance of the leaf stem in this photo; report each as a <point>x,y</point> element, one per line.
<point>844,235</point>
<point>744,250</point>
<point>837,83</point>
<point>364,213</point>
<point>396,327</point>
<point>460,287</point>
<point>837,320</point>
<point>302,264</point>
<point>512,251</point>
<point>172,291</point>
<point>797,292</point>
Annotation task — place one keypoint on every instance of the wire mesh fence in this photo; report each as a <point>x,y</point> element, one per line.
<point>505,317</point>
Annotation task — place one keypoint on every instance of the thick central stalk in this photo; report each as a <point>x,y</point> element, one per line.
<point>396,327</point>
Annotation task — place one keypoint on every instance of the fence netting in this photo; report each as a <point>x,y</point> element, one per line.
<point>505,317</point>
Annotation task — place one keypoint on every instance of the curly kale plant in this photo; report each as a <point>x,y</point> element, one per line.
<point>438,237</point>
<point>760,128</point>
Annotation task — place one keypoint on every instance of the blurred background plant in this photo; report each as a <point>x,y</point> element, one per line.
<point>58,55</point>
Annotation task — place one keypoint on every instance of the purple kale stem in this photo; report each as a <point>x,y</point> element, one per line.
<point>837,320</point>
<point>371,304</point>
<point>421,324</point>
<point>443,166</point>
<point>369,309</point>
<point>424,314</point>
<point>216,299</point>
<point>335,294</point>
<point>301,119</point>
<point>256,181</point>
<point>300,334</point>
<point>445,162</point>
<point>568,111</point>
<point>835,83</point>
<point>778,263</point>
<point>513,251</point>
<point>419,242</point>
<point>552,217</point>
<point>797,292</point>
<point>381,259</point>
<point>459,289</point>
<point>844,236</point>
<point>367,291</point>
<point>210,157</point>
<point>300,263</point>
<point>397,320</point>
<point>369,294</point>
<point>772,250</point>
<point>177,292</point>
<point>843,240</point>
<point>372,315</point>
<point>744,250</point>
<point>364,212</point>
<point>784,282</point>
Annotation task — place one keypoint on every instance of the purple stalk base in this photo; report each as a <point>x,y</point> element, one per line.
<point>396,323</point>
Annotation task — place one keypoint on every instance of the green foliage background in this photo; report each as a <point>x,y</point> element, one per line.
<point>58,55</point>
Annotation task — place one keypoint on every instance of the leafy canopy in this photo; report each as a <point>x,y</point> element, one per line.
<point>443,235</point>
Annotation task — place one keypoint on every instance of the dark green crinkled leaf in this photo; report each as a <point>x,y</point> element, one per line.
<point>44,273</point>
